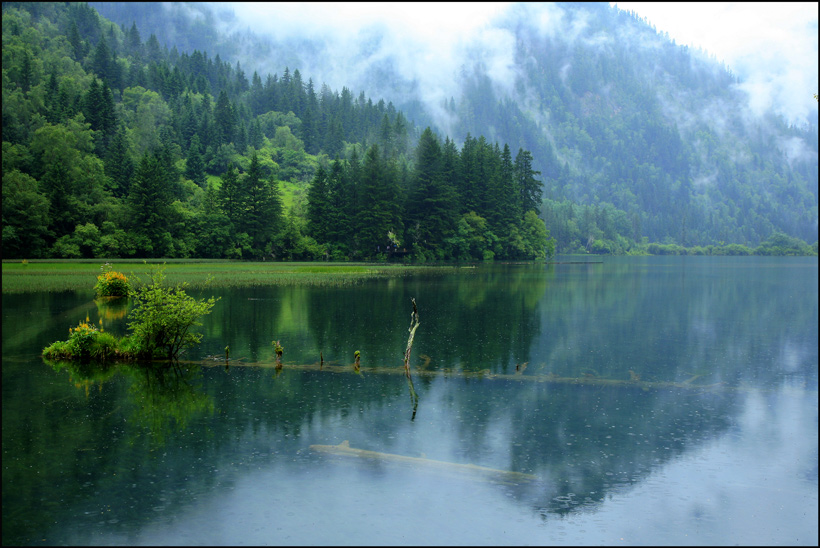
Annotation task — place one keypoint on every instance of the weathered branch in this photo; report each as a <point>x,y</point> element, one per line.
<point>414,324</point>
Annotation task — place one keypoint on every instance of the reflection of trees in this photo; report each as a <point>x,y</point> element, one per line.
<point>166,397</point>
<point>84,373</point>
<point>474,319</point>
<point>675,319</point>
<point>618,435</point>
<point>584,442</point>
<point>248,319</point>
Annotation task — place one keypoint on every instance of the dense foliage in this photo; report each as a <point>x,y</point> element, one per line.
<point>117,146</point>
<point>617,116</point>
<point>161,327</point>
<point>648,136</point>
<point>472,205</point>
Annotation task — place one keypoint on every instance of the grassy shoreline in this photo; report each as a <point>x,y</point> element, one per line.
<point>80,274</point>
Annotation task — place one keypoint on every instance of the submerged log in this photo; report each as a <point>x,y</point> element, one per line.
<point>505,476</point>
<point>550,378</point>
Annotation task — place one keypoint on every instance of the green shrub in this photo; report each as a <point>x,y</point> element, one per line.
<point>104,346</point>
<point>57,350</point>
<point>161,324</point>
<point>112,283</point>
<point>81,341</point>
<point>162,318</point>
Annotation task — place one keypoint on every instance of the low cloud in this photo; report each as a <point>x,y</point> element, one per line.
<point>404,52</point>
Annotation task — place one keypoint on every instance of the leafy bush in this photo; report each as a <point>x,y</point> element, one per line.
<point>83,344</point>
<point>162,318</point>
<point>783,244</point>
<point>161,324</point>
<point>112,283</point>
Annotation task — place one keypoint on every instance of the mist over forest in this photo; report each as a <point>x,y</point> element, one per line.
<point>640,144</point>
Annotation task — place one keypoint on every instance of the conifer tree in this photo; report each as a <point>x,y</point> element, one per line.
<point>378,204</point>
<point>262,207</point>
<point>507,206</point>
<point>230,196</point>
<point>194,165</point>
<point>529,187</point>
<point>224,119</point>
<point>318,206</point>
<point>340,200</point>
<point>118,164</point>
<point>432,207</point>
<point>150,203</point>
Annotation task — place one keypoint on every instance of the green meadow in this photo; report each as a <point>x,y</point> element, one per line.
<point>69,275</point>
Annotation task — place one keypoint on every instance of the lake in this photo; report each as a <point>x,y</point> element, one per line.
<point>642,400</point>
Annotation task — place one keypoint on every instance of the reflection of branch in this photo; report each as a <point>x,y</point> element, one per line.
<point>414,398</point>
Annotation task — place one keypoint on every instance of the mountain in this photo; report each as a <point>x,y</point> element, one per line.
<point>176,132</point>
<point>658,136</point>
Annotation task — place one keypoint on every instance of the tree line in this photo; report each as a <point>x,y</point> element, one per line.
<point>117,147</point>
<point>472,204</point>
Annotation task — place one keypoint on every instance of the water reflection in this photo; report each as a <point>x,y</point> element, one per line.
<point>216,454</point>
<point>163,397</point>
<point>112,308</point>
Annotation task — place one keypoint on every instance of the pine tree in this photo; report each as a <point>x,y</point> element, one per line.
<point>255,136</point>
<point>257,95</point>
<point>194,165</point>
<point>432,208</point>
<point>77,44</point>
<point>377,212</point>
<point>318,206</point>
<point>507,204</point>
<point>224,119</point>
<point>133,42</point>
<point>150,204</point>
<point>468,176</point>
<point>528,186</point>
<point>118,164</point>
<point>102,60</point>
<point>340,199</point>
<point>262,211</point>
<point>230,196</point>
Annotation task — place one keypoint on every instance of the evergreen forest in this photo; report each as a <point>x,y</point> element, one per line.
<point>122,139</point>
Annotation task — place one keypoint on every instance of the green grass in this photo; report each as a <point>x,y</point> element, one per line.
<point>73,275</point>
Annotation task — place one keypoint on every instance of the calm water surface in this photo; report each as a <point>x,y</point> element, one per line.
<point>652,400</point>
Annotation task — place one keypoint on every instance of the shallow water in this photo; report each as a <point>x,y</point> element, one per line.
<point>709,435</point>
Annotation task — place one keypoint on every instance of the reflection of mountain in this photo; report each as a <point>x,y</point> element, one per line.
<point>727,320</point>
<point>72,455</point>
<point>586,441</point>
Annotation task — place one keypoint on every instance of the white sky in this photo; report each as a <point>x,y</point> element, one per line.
<point>772,47</point>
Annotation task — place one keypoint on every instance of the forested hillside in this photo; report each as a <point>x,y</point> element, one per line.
<point>635,137</point>
<point>117,146</point>
<point>651,136</point>
<point>157,135</point>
